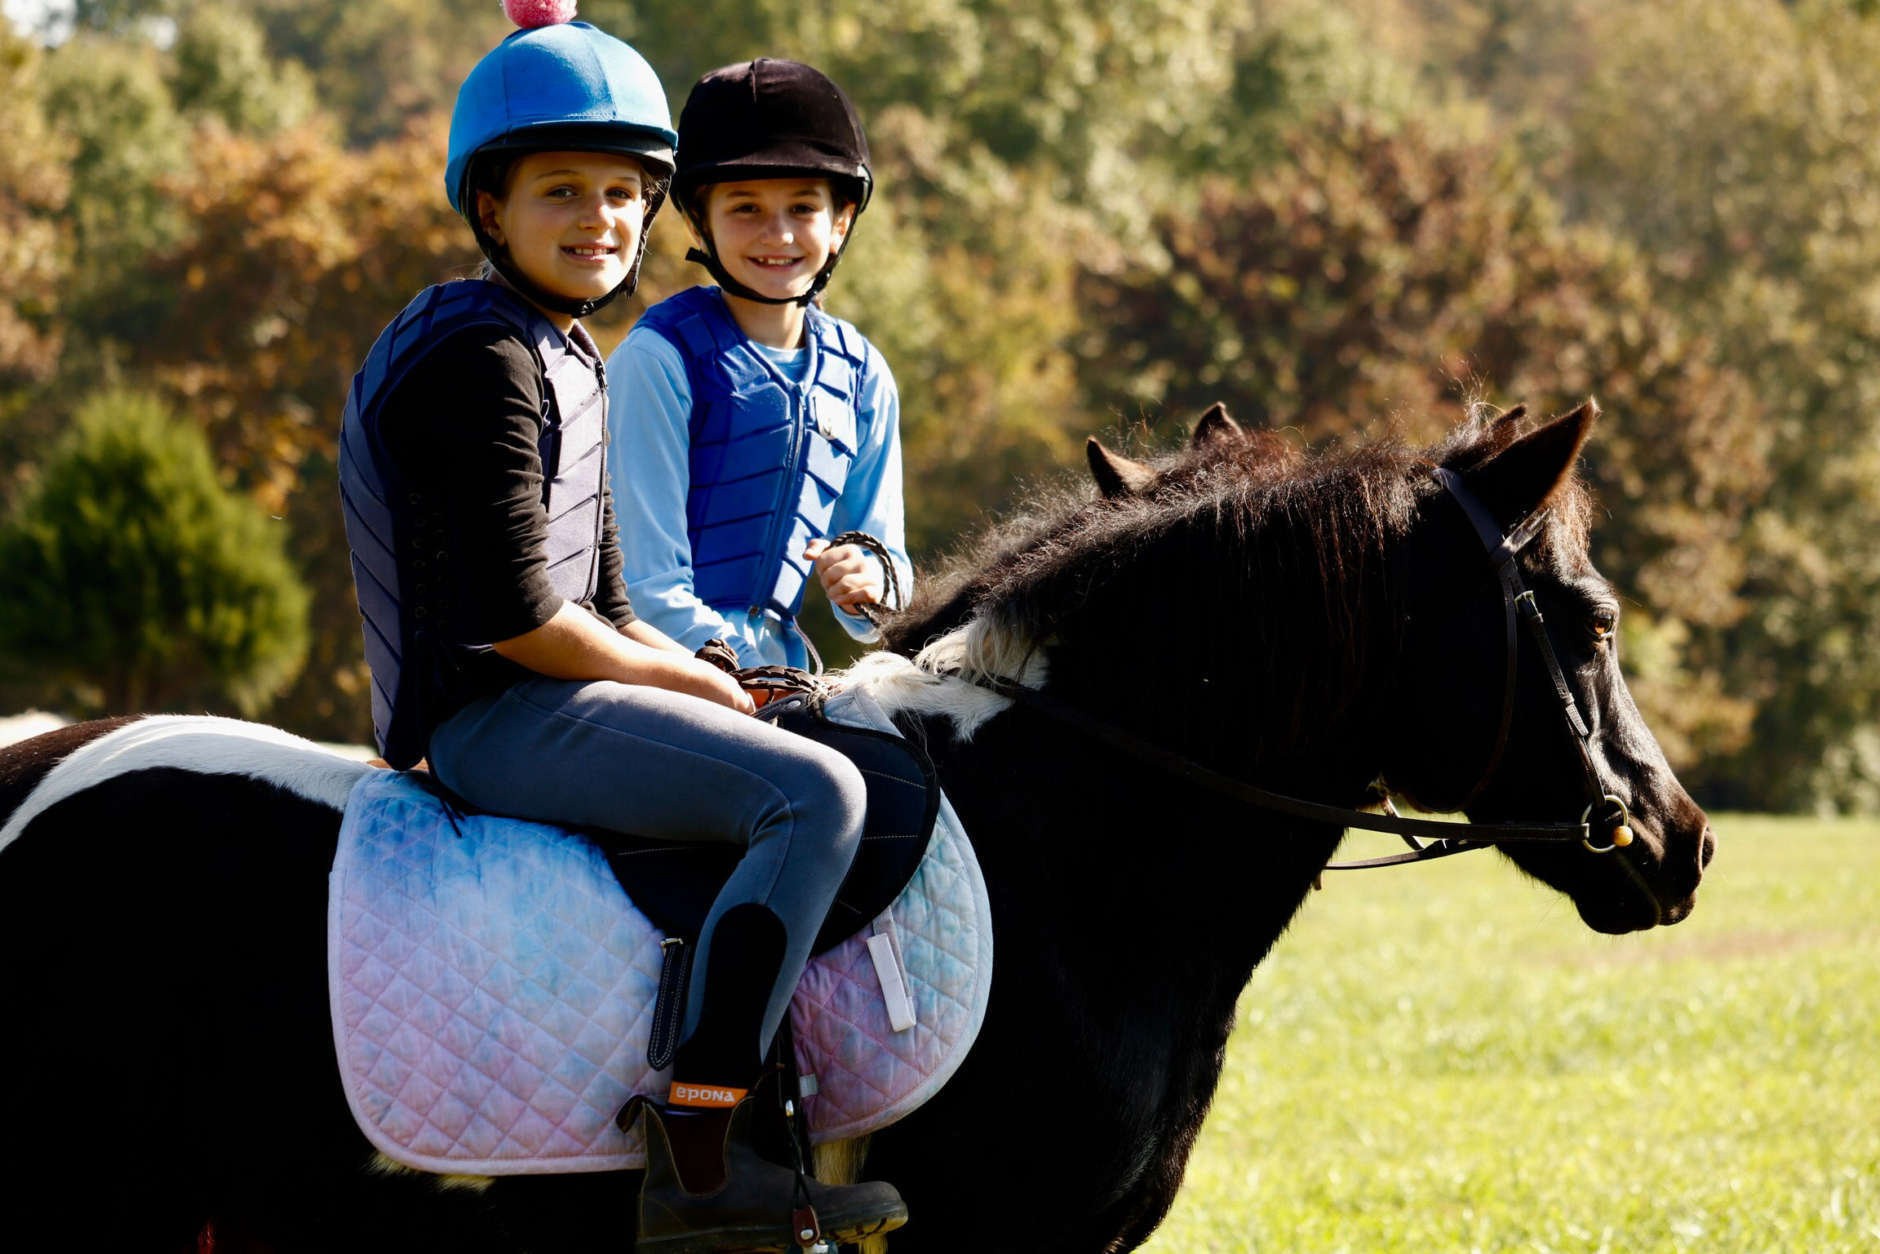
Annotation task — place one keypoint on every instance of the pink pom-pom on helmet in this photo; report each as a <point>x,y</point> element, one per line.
<point>529,14</point>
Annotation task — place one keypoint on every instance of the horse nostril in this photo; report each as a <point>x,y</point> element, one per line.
<point>1706,848</point>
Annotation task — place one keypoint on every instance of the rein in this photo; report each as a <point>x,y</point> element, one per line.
<point>1441,833</point>
<point>893,600</point>
<point>1517,603</point>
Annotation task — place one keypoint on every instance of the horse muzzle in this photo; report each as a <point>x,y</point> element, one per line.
<point>1661,872</point>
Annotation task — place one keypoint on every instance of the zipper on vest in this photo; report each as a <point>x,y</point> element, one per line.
<point>783,509</point>
<point>790,492</point>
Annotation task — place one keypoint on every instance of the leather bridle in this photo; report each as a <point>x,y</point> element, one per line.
<point>1604,811</point>
<point>1517,601</point>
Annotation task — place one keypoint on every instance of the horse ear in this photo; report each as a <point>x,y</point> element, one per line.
<point>1115,474</point>
<point>1522,477</point>
<point>1503,429</point>
<point>1216,428</point>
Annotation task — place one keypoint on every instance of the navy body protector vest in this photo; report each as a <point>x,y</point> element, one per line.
<point>396,536</point>
<point>769,456</point>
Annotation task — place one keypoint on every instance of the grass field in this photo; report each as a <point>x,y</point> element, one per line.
<point>1443,1058</point>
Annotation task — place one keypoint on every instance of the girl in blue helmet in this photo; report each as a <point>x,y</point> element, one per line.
<point>502,644</point>
<point>752,429</point>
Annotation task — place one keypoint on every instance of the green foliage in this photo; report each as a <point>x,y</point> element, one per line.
<point>1375,278</point>
<point>111,98</point>
<point>1749,174</point>
<point>121,16</point>
<point>1296,60</point>
<point>379,67</point>
<point>222,68</point>
<point>135,581</point>
<point>1107,104</point>
<point>35,181</point>
<point>973,310</point>
<point>1455,1064</point>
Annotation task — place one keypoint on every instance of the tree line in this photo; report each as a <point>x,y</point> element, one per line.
<point>1344,219</point>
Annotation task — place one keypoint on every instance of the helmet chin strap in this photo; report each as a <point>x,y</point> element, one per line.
<point>708,257</point>
<point>499,257</point>
<point>536,294</point>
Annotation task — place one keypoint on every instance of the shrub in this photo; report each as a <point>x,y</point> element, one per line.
<point>136,581</point>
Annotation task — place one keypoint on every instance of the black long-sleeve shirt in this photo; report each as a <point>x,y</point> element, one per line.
<point>463,429</point>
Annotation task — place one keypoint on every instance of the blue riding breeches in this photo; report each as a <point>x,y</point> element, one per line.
<point>665,765</point>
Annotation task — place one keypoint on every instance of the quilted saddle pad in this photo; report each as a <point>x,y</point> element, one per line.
<point>492,988</point>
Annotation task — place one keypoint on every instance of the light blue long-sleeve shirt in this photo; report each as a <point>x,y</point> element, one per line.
<point>649,466</point>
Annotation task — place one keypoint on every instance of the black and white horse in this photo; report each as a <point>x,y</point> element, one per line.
<point>1321,627</point>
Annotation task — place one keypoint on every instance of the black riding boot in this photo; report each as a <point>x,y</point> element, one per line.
<point>708,1190</point>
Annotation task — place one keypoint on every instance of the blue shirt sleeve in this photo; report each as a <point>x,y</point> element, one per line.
<point>872,499</point>
<point>649,469</point>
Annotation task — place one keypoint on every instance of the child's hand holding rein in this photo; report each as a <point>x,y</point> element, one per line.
<point>702,679</point>
<point>849,575</point>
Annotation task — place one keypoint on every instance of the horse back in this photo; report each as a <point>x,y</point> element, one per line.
<point>25,763</point>
<point>163,933</point>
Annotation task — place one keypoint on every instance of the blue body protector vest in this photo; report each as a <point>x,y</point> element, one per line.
<point>769,457</point>
<point>396,536</point>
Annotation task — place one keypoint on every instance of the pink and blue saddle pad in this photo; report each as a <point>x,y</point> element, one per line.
<point>493,987</point>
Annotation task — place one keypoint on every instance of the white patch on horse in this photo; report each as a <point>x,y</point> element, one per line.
<point>932,684</point>
<point>200,743</point>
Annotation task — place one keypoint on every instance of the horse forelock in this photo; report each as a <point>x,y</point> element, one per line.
<point>200,743</point>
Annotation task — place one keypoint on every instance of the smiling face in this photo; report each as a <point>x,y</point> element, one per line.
<point>775,235</point>
<point>570,220</point>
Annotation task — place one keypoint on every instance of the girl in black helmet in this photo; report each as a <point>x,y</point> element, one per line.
<point>500,637</point>
<point>750,427</point>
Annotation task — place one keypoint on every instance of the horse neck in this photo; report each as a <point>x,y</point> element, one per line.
<point>1281,699</point>
<point>1271,664</point>
<point>1116,862</point>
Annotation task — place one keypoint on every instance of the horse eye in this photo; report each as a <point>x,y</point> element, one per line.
<point>1604,621</point>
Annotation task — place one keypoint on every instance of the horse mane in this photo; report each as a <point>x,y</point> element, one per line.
<point>1314,531</point>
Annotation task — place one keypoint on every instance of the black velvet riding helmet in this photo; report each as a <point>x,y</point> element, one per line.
<point>767,119</point>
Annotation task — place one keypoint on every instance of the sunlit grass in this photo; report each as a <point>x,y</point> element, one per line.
<point>1443,1058</point>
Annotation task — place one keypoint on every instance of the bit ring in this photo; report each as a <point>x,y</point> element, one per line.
<point>1621,830</point>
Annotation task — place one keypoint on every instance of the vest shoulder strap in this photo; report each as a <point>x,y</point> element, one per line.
<point>710,343</point>
<point>441,311</point>
<point>842,357</point>
<point>839,336</point>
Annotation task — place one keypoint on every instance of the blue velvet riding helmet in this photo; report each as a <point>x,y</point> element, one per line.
<point>566,86</point>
